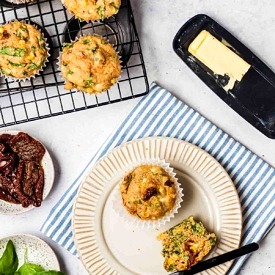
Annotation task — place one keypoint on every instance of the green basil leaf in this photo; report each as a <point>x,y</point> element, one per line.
<point>9,260</point>
<point>30,269</point>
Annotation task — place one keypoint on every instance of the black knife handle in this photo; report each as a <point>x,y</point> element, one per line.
<point>219,259</point>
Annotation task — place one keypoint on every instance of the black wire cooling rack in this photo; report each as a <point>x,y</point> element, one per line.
<point>44,95</point>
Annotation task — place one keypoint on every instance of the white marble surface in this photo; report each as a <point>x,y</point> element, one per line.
<point>73,139</point>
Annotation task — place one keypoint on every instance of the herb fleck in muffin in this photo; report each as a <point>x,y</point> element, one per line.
<point>23,50</point>
<point>90,64</point>
<point>148,192</point>
<point>92,9</point>
<point>185,244</point>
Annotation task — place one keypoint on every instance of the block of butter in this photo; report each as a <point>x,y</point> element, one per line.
<point>218,58</point>
<point>230,69</point>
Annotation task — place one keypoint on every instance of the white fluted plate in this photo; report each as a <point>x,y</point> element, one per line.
<point>108,245</point>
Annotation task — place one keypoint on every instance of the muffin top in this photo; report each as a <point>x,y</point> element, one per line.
<point>148,192</point>
<point>23,50</point>
<point>90,64</point>
<point>91,9</point>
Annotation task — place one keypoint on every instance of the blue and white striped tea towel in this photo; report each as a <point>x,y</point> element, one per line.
<point>161,114</point>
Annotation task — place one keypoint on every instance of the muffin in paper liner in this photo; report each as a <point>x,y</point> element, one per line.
<point>82,62</point>
<point>17,52</point>
<point>134,220</point>
<point>92,10</point>
<point>18,2</point>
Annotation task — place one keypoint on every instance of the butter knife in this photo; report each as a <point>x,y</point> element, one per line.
<point>201,266</point>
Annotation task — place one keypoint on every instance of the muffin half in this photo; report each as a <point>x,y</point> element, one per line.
<point>185,244</point>
<point>90,64</point>
<point>92,10</point>
<point>23,50</point>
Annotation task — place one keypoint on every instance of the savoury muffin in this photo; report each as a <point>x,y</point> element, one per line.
<point>148,192</point>
<point>90,64</point>
<point>185,244</point>
<point>23,50</point>
<point>91,9</point>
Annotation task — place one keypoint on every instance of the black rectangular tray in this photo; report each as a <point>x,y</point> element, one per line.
<point>44,96</point>
<point>254,96</point>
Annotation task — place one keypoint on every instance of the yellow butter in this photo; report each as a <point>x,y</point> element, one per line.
<point>218,58</point>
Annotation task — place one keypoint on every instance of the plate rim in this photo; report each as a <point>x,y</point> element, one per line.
<point>49,165</point>
<point>36,238</point>
<point>117,148</point>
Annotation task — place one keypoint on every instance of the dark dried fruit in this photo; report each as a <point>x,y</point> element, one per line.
<point>127,180</point>
<point>7,161</point>
<point>21,173</point>
<point>169,183</point>
<point>150,192</point>
<point>6,196</point>
<point>26,147</point>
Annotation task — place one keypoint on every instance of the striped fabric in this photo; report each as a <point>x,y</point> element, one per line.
<point>161,114</point>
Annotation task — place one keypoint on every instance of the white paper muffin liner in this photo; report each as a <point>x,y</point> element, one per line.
<point>75,40</point>
<point>20,1</point>
<point>15,79</point>
<point>133,220</point>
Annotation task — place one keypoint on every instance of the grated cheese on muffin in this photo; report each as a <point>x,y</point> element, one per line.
<point>90,64</point>
<point>91,9</point>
